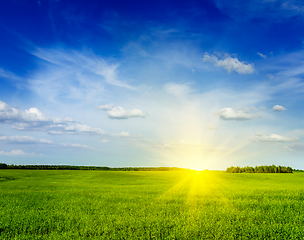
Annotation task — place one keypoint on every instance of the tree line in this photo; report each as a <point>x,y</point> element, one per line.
<point>260,169</point>
<point>70,167</point>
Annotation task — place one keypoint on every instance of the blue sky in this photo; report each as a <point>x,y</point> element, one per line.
<point>197,84</point>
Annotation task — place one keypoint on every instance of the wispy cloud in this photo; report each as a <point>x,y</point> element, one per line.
<point>275,10</point>
<point>24,139</point>
<point>32,140</point>
<point>82,129</point>
<point>294,6</point>
<point>230,64</point>
<point>274,138</point>
<point>262,55</point>
<point>77,75</point>
<point>295,147</point>
<point>288,72</point>
<point>122,134</point>
<point>75,145</point>
<point>16,153</point>
<point>177,89</point>
<point>59,129</point>
<point>12,78</point>
<point>106,107</point>
<point>82,62</point>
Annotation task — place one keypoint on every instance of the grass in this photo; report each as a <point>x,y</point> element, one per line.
<point>46,204</point>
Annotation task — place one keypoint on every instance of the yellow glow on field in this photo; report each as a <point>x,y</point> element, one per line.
<point>196,185</point>
<point>195,189</point>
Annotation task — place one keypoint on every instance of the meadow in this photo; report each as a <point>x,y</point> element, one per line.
<point>67,204</point>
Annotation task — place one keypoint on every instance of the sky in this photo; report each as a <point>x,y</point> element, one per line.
<point>193,84</point>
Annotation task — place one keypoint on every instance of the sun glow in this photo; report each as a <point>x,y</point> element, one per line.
<point>191,138</point>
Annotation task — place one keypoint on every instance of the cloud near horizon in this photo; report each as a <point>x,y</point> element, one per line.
<point>32,140</point>
<point>34,120</point>
<point>16,153</point>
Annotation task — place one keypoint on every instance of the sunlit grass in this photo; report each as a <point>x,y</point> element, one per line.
<point>146,205</point>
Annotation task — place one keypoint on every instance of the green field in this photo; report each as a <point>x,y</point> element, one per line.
<point>65,204</point>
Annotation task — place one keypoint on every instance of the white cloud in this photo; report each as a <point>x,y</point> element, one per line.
<point>104,141</point>
<point>82,129</point>
<point>31,140</point>
<point>75,145</point>
<point>262,55</point>
<point>231,114</point>
<point>11,115</point>
<point>59,129</point>
<point>63,120</point>
<point>230,64</point>
<point>15,153</point>
<point>4,106</point>
<point>33,114</point>
<point>23,139</point>
<point>34,120</point>
<point>56,132</point>
<point>177,89</point>
<point>106,107</point>
<point>278,108</point>
<point>273,138</point>
<point>120,113</point>
<point>122,134</point>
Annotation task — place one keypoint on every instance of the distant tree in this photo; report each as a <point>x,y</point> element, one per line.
<point>92,168</point>
<point>3,166</point>
<point>260,169</point>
